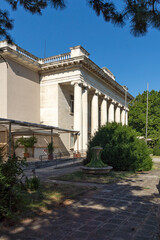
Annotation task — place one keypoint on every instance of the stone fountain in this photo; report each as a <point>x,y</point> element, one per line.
<point>96,166</point>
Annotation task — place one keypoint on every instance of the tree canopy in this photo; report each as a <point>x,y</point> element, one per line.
<point>137,114</point>
<point>141,14</point>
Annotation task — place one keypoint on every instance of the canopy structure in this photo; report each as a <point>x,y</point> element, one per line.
<point>15,127</point>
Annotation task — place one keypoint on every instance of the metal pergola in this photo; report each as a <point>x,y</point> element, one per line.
<point>21,127</point>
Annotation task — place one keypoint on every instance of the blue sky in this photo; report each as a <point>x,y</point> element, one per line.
<point>134,61</point>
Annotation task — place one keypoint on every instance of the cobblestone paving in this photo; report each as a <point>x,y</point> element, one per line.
<point>121,211</point>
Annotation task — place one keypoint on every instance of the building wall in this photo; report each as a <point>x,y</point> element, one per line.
<point>49,103</point>
<point>55,101</point>
<point>23,93</point>
<point>61,76</point>
<point>65,117</point>
<point>3,89</point>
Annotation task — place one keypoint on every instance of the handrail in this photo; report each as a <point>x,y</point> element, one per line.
<point>56,58</point>
<point>26,54</point>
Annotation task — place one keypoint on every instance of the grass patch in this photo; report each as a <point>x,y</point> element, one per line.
<point>80,176</point>
<point>156,166</point>
<point>51,195</point>
<point>48,198</point>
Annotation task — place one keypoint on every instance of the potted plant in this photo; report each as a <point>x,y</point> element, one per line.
<point>50,150</point>
<point>27,143</point>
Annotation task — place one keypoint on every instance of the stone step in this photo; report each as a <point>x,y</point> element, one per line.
<point>57,163</point>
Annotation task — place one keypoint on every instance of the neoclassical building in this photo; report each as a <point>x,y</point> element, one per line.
<point>68,91</point>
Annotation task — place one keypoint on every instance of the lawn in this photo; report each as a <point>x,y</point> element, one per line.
<point>50,195</point>
<point>156,166</point>
<point>47,199</point>
<point>80,176</point>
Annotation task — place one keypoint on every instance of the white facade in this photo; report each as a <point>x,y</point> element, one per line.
<point>68,91</point>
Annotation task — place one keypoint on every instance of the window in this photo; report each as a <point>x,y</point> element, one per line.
<point>71,104</point>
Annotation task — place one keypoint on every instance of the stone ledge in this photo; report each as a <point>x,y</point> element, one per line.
<point>92,170</point>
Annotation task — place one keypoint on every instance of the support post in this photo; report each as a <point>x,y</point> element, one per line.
<point>10,139</point>
<point>52,140</point>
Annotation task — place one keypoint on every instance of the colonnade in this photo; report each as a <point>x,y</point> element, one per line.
<point>110,111</point>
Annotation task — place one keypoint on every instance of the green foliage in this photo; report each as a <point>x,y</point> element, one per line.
<point>50,148</point>
<point>27,142</point>
<point>121,148</point>
<point>142,14</point>
<point>1,154</point>
<point>156,149</point>
<point>10,186</point>
<point>137,114</point>
<point>32,183</point>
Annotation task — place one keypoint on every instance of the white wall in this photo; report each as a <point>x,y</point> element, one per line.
<point>65,118</point>
<point>23,93</point>
<point>49,104</point>
<point>3,89</point>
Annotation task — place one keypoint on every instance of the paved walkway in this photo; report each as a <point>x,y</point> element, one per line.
<point>121,211</point>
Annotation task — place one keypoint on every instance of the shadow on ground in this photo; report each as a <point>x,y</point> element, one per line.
<point>120,211</point>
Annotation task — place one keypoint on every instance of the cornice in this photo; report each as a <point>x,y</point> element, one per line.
<point>16,56</point>
<point>36,64</point>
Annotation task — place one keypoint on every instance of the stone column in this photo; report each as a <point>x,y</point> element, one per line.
<point>123,116</point>
<point>104,111</point>
<point>78,113</point>
<point>111,112</point>
<point>94,113</point>
<point>118,114</point>
<point>126,116</point>
<point>85,116</point>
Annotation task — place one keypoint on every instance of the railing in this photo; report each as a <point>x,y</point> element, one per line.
<point>26,54</point>
<point>56,58</point>
<point>64,155</point>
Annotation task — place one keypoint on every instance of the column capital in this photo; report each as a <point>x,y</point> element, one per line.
<point>79,82</point>
<point>86,85</point>
<point>121,106</point>
<point>97,92</point>
<point>114,102</point>
<point>105,97</point>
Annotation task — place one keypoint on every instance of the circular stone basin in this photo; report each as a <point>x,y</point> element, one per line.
<point>93,170</point>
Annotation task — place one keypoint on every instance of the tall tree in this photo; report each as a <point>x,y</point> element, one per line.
<point>137,114</point>
<point>141,14</point>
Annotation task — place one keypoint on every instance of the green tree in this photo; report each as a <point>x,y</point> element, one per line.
<point>137,114</point>
<point>141,14</point>
<point>121,148</point>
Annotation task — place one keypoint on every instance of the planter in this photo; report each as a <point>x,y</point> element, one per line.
<point>26,155</point>
<point>76,155</point>
<point>93,170</point>
<point>50,157</point>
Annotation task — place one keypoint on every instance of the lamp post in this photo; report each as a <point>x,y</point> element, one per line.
<point>125,98</point>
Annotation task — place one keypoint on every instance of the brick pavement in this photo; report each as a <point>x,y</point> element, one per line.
<point>121,211</point>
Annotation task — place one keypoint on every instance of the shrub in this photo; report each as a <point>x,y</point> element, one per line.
<point>32,183</point>
<point>121,148</point>
<point>10,186</point>
<point>156,149</point>
<point>27,142</point>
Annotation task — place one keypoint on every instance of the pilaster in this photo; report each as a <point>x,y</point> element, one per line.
<point>111,111</point>
<point>78,113</point>
<point>85,116</point>
<point>117,114</point>
<point>104,111</point>
<point>94,113</point>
